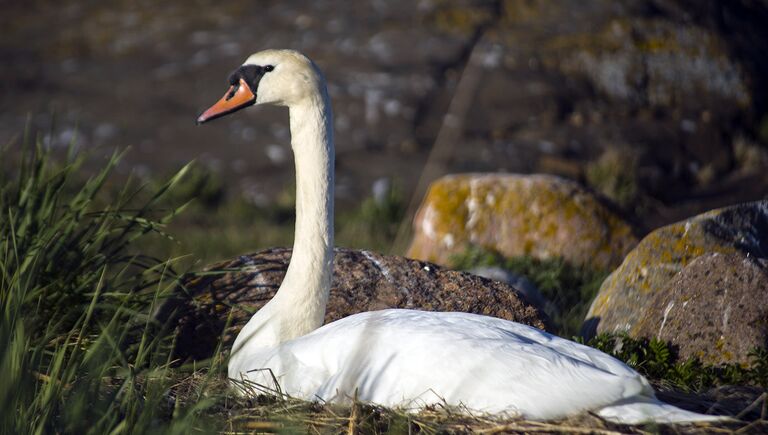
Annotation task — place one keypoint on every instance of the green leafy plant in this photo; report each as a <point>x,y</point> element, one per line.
<point>658,361</point>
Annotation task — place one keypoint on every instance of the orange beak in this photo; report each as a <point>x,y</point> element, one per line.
<point>236,98</point>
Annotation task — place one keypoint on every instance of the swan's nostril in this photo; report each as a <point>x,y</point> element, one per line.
<point>237,97</point>
<point>232,91</point>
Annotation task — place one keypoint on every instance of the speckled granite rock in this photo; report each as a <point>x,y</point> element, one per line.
<point>362,281</point>
<point>538,215</point>
<point>626,295</point>
<point>715,309</point>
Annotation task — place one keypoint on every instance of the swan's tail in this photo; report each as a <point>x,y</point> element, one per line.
<point>637,410</point>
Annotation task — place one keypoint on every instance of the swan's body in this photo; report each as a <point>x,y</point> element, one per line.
<point>409,359</point>
<point>400,358</point>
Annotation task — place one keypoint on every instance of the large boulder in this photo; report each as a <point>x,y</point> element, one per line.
<point>628,294</point>
<point>715,309</point>
<point>232,291</point>
<point>656,61</point>
<point>541,216</point>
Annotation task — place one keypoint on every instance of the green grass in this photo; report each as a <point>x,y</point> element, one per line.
<point>374,224</point>
<point>219,223</point>
<point>79,351</point>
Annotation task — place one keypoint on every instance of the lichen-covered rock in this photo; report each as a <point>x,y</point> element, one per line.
<point>541,216</point>
<point>362,281</point>
<point>625,296</point>
<point>655,60</point>
<point>715,309</point>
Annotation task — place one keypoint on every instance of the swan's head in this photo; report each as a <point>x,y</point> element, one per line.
<point>279,77</point>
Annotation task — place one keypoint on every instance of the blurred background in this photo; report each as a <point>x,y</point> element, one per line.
<point>660,105</point>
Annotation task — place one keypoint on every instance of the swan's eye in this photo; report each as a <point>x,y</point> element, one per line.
<point>269,68</point>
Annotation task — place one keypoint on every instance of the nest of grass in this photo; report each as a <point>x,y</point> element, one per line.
<point>276,412</point>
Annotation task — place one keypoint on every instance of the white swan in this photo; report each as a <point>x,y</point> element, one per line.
<point>400,358</point>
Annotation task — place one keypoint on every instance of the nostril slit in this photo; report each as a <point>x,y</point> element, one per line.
<point>232,92</point>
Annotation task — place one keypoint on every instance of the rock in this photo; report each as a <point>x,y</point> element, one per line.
<point>657,61</point>
<point>625,297</point>
<point>715,309</point>
<point>537,215</point>
<point>362,281</point>
<point>561,82</point>
<point>519,282</point>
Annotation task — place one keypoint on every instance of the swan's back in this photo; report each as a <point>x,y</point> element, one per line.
<point>405,358</point>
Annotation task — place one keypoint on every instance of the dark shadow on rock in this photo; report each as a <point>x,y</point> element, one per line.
<point>589,328</point>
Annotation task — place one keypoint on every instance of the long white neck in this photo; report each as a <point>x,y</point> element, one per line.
<point>299,305</point>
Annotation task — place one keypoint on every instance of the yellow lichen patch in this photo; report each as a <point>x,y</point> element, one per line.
<point>515,11</point>
<point>725,355</point>
<point>458,19</point>
<point>719,344</point>
<point>205,298</point>
<point>449,201</point>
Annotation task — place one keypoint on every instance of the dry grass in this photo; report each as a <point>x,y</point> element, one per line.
<point>273,413</point>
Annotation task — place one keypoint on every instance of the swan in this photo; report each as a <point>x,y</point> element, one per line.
<point>400,358</point>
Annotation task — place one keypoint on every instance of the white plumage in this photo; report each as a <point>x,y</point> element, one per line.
<point>401,358</point>
<point>410,359</point>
